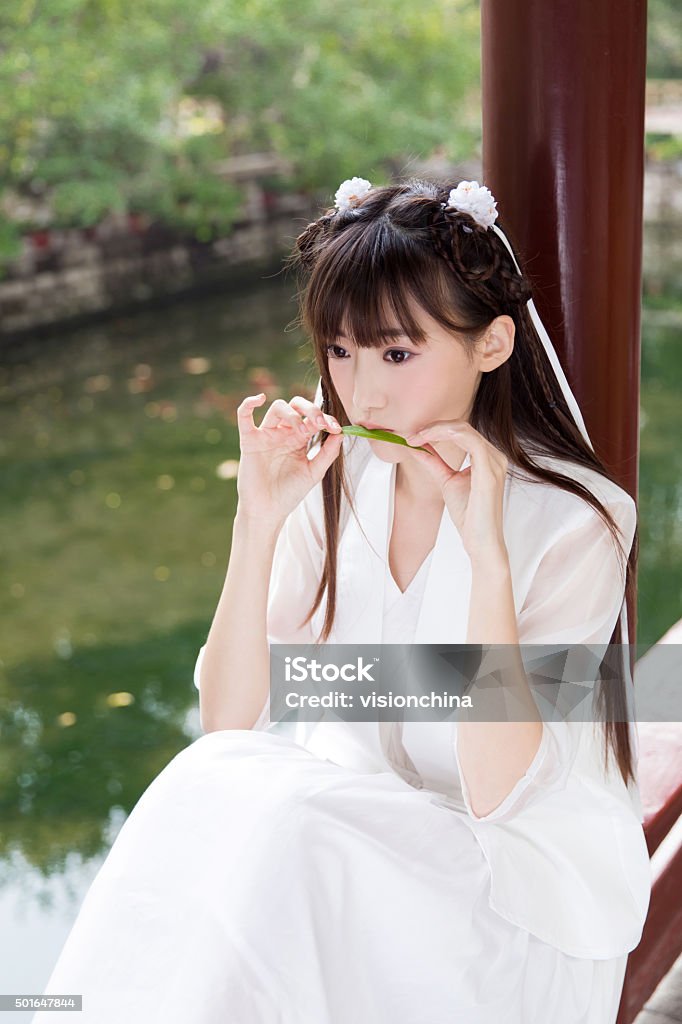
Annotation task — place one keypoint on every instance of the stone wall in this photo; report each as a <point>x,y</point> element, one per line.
<point>64,276</point>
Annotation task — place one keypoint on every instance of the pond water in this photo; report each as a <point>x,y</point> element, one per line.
<point>119,450</point>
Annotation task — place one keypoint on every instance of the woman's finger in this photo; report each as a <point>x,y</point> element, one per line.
<point>245,409</point>
<point>314,415</point>
<point>464,436</point>
<point>434,464</point>
<point>449,430</point>
<point>278,413</point>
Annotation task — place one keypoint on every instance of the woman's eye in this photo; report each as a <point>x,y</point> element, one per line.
<point>399,352</point>
<point>335,349</point>
<point>338,348</point>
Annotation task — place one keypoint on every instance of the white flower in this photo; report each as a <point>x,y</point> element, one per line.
<point>476,200</point>
<point>349,190</point>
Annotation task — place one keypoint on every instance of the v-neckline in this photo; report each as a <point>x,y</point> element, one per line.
<point>391,516</point>
<point>442,593</point>
<point>410,585</point>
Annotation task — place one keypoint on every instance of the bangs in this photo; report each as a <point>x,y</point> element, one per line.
<point>366,285</point>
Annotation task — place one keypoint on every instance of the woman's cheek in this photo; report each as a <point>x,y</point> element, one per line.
<point>339,381</point>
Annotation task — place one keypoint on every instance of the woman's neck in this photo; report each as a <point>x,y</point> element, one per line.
<point>416,491</point>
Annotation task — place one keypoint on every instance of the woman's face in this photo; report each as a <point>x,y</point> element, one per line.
<point>403,387</point>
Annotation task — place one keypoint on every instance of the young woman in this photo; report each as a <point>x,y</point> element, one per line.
<point>406,872</point>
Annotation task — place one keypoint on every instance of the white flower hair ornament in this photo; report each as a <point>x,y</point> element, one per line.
<point>349,191</point>
<point>474,199</point>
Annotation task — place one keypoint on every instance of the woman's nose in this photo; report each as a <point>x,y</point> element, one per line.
<point>367,393</point>
<point>368,406</point>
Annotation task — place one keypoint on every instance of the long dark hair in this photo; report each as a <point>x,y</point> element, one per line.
<point>362,263</point>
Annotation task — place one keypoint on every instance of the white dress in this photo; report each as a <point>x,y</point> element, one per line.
<point>260,881</point>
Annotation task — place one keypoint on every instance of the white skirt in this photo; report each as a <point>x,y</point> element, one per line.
<point>255,883</point>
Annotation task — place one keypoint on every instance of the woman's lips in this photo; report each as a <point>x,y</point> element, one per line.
<point>373,426</point>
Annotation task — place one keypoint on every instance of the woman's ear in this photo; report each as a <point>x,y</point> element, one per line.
<point>498,344</point>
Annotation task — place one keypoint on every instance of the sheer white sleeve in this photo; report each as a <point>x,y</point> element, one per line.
<point>575,597</point>
<point>566,850</point>
<point>296,571</point>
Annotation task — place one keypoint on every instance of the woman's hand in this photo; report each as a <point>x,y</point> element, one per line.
<point>473,496</point>
<point>275,473</point>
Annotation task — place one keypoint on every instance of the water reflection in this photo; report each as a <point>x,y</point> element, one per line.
<point>120,452</point>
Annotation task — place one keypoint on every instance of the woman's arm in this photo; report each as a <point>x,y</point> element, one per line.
<point>495,755</point>
<point>235,672</point>
<point>492,756</point>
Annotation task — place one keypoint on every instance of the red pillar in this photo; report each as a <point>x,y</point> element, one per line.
<point>563,86</point>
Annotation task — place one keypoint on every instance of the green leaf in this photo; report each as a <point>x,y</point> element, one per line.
<point>381,435</point>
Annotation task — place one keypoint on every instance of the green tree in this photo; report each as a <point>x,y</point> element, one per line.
<point>115,105</point>
<point>664,39</point>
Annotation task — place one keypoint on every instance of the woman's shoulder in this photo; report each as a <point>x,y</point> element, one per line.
<point>546,504</point>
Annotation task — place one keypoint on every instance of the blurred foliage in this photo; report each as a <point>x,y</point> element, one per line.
<point>664,39</point>
<point>115,106</point>
<point>663,147</point>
